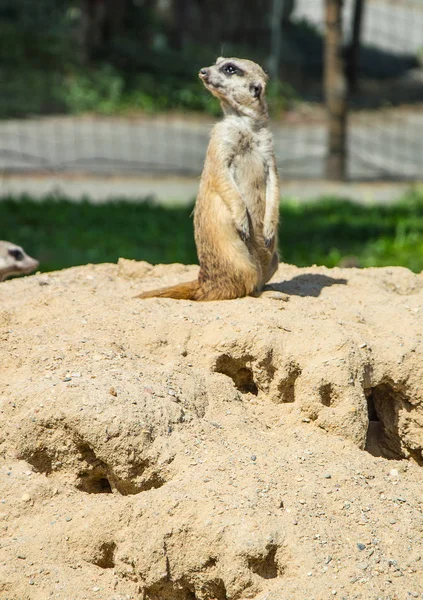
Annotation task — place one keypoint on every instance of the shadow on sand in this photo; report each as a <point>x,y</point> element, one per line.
<point>305,285</point>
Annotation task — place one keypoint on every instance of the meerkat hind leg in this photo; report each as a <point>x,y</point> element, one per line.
<point>273,267</point>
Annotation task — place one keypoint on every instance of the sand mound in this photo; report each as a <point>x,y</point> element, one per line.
<point>265,448</point>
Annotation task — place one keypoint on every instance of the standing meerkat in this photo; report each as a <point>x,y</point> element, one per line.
<point>15,261</point>
<point>237,208</point>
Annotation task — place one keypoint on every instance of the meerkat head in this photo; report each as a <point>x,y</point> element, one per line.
<point>15,261</point>
<point>239,84</point>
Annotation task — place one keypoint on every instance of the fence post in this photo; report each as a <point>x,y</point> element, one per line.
<point>335,87</point>
<point>354,47</point>
<point>275,38</point>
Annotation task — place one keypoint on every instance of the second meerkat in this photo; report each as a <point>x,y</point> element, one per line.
<point>15,261</point>
<point>237,208</point>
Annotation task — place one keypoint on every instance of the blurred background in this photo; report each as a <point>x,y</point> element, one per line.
<point>104,125</point>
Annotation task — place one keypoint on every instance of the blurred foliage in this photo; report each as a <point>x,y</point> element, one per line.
<point>57,57</point>
<point>120,56</point>
<point>61,233</point>
<point>36,34</point>
<point>100,90</point>
<point>105,91</point>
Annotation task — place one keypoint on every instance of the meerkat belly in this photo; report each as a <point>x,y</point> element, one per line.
<point>222,253</point>
<point>250,176</point>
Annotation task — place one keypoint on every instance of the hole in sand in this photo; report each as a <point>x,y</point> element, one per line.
<point>326,394</point>
<point>374,430</point>
<point>286,387</point>
<point>94,483</point>
<point>93,478</point>
<point>239,371</point>
<point>214,589</point>
<point>264,566</point>
<point>169,590</point>
<point>106,555</point>
<point>385,402</point>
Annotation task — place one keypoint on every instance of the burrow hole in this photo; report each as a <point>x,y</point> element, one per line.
<point>238,371</point>
<point>326,393</point>
<point>95,482</point>
<point>265,566</point>
<point>93,479</point>
<point>106,555</point>
<point>384,404</point>
<point>214,589</point>
<point>165,590</point>
<point>286,387</point>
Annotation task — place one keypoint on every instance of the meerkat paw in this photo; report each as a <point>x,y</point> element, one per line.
<point>244,230</point>
<point>269,233</point>
<point>268,241</point>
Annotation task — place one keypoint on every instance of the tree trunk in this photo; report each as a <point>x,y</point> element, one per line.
<point>335,93</point>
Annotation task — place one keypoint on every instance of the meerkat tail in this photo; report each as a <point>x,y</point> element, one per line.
<point>183,291</point>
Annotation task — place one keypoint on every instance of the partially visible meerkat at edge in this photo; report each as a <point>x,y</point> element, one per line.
<point>15,261</point>
<point>237,208</point>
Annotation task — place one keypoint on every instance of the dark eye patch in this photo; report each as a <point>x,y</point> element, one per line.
<point>231,69</point>
<point>17,254</point>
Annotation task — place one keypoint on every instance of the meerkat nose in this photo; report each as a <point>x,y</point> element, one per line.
<point>203,73</point>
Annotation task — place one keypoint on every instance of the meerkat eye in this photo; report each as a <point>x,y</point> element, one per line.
<point>17,254</point>
<point>230,69</point>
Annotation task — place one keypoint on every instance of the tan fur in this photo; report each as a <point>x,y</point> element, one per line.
<point>237,208</point>
<point>15,261</point>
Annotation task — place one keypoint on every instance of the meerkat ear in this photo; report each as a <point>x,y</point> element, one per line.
<point>256,89</point>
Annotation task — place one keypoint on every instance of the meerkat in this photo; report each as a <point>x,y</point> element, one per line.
<point>15,261</point>
<point>237,207</point>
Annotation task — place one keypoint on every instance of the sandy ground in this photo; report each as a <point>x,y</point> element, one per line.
<point>264,448</point>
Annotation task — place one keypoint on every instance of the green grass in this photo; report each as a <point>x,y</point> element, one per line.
<point>61,233</point>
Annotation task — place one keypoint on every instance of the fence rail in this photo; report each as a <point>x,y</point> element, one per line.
<point>378,146</point>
